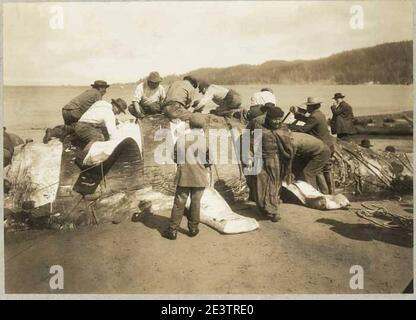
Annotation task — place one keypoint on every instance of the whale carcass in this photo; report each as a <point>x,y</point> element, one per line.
<point>120,175</point>
<point>50,188</point>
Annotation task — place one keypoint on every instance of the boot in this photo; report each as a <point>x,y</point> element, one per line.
<point>329,178</point>
<point>193,232</point>
<point>275,217</point>
<point>170,234</point>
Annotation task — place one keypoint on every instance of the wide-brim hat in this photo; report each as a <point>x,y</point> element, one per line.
<point>100,84</point>
<point>366,143</point>
<point>338,95</point>
<point>155,77</point>
<point>120,104</point>
<point>311,101</point>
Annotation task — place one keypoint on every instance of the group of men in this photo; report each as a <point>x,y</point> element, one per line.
<point>286,149</point>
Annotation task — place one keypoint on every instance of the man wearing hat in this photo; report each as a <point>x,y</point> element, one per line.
<point>259,102</point>
<point>192,177</point>
<point>316,125</point>
<point>342,122</point>
<point>179,97</point>
<point>73,111</point>
<point>148,96</point>
<point>89,128</point>
<point>365,143</point>
<point>390,149</point>
<point>228,100</point>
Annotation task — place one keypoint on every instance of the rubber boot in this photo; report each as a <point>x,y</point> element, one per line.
<point>329,178</point>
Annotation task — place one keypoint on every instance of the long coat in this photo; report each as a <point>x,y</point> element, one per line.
<point>192,170</point>
<point>342,119</point>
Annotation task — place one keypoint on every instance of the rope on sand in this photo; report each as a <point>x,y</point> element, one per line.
<point>371,212</point>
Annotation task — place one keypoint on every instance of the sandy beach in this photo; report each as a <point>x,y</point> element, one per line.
<point>308,251</point>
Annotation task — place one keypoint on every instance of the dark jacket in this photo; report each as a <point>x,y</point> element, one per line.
<point>316,125</point>
<point>8,149</point>
<point>342,119</point>
<point>84,101</point>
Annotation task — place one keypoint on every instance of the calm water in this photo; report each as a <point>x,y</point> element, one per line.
<point>29,110</point>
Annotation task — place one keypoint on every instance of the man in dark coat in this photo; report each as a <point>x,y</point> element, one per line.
<point>192,177</point>
<point>316,125</point>
<point>342,122</point>
<point>73,111</point>
<point>8,148</point>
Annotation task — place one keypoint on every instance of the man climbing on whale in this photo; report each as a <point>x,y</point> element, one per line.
<point>101,115</point>
<point>227,100</point>
<point>74,110</point>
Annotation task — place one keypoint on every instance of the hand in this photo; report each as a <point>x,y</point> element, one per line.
<point>195,105</point>
<point>293,109</point>
<point>249,162</point>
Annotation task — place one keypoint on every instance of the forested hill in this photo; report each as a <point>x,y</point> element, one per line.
<point>389,63</point>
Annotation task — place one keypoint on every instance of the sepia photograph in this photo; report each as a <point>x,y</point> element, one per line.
<point>207,148</point>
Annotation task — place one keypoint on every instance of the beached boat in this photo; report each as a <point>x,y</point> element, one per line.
<point>394,124</point>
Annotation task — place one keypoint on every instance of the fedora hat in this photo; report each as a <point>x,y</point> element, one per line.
<point>120,104</point>
<point>365,143</point>
<point>100,84</point>
<point>310,101</point>
<point>154,76</point>
<point>338,95</point>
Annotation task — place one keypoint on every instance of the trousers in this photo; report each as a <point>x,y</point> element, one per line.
<point>178,209</point>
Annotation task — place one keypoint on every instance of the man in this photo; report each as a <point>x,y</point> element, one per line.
<point>316,125</point>
<point>342,122</point>
<point>366,143</point>
<point>390,149</point>
<point>148,96</point>
<point>192,177</point>
<point>259,102</point>
<point>8,148</point>
<point>101,114</point>
<point>277,155</point>
<point>73,111</point>
<point>179,98</point>
<point>228,100</point>
<point>311,157</point>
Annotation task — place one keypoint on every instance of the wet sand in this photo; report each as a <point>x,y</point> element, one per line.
<point>308,251</point>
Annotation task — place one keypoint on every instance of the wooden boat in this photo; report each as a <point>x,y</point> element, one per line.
<point>394,124</point>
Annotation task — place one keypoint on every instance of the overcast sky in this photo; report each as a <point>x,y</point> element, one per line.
<point>122,42</point>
